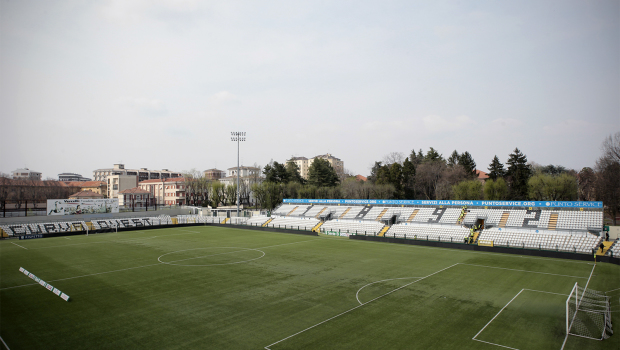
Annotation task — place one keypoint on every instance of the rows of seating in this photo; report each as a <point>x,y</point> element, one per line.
<point>353,226</point>
<point>293,223</point>
<point>548,240</point>
<point>428,232</point>
<point>43,228</point>
<point>615,249</point>
<point>566,219</point>
<point>257,220</point>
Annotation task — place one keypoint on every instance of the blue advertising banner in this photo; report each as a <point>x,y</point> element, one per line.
<point>534,204</point>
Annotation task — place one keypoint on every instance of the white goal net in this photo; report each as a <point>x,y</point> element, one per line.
<point>588,314</point>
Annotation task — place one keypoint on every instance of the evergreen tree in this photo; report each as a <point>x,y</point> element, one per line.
<point>518,173</point>
<point>433,156</point>
<point>374,172</point>
<point>408,179</point>
<point>292,171</point>
<point>416,159</point>
<point>321,174</point>
<point>276,173</point>
<point>468,163</point>
<point>496,169</point>
<point>454,158</point>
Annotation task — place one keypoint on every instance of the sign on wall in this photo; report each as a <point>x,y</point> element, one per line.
<point>537,204</point>
<point>81,206</point>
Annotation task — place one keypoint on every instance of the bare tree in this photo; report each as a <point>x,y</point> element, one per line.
<point>394,157</point>
<point>607,187</point>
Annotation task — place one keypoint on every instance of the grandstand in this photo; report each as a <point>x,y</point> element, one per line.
<point>573,227</point>
<point>558,226</point>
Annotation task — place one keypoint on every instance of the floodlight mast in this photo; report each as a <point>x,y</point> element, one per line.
<point>237,136</point>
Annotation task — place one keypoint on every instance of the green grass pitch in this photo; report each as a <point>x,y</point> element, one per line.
<point>206,287</point>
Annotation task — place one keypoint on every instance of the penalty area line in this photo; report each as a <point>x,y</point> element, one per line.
<point>356,307</point>
<point>6,346</point>
<point>494,317</point>
<point>19,245</point>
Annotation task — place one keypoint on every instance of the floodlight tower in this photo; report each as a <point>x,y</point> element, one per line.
<point>237,136</point>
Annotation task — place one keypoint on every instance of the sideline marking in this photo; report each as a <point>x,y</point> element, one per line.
<point>389,279</point>
<point>571,322</point>
<point>6,346</point>
<point>19,245</point>
<point>358,306</point>
<point>504,268</point>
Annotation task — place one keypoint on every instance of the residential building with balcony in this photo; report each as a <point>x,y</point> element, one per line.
<point>142,174</point>
<point>166,191</point>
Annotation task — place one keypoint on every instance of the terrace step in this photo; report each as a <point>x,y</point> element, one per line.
<point>382,213</point>
<point>291,212</point>
<point>415,212</point>
<point>223,222</point>
<point>266,223</point>
<point>317,228</point>
<point>317,215</point>
<point>606,245</point>
<point>345,213</point>
<point>502,222</point>
<point>384,230</point>
<point>553,221</point>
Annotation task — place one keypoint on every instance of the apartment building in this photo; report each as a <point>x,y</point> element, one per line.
<point>134,197</point>
<point>118,183</point>
<point>26,174</point>
<point>166,191</point>
<point>142,174</point>
<point>304,164</point>
<point>214,174</point>
<point>64,177</point>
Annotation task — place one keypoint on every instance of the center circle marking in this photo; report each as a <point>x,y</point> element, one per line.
<point>235,250</point>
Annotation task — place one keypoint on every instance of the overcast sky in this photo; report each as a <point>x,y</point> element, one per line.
<point>161,84</point>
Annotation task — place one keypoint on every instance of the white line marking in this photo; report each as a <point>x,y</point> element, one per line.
<point>503,346</point>
<point>19,245</point>
<point>500,311</point>
<point>613,290</point>
<point>67,238</point>
<point>112,241</point>
<point>204,256</point>
<point>571,322</point>
<point>92,274</point>
<point>389,279</point>
<point>542,291</point>
<point>6,346</point>
<point>358,306</point>
<point>129,268</point>
<point>503,268</point>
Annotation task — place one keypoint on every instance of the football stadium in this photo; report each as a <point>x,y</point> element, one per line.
<point>317,274</point>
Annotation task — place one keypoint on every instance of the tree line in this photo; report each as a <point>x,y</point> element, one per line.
<point>430,176</point>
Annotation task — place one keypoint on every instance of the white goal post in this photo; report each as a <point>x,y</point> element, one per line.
<point>588,314</point>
